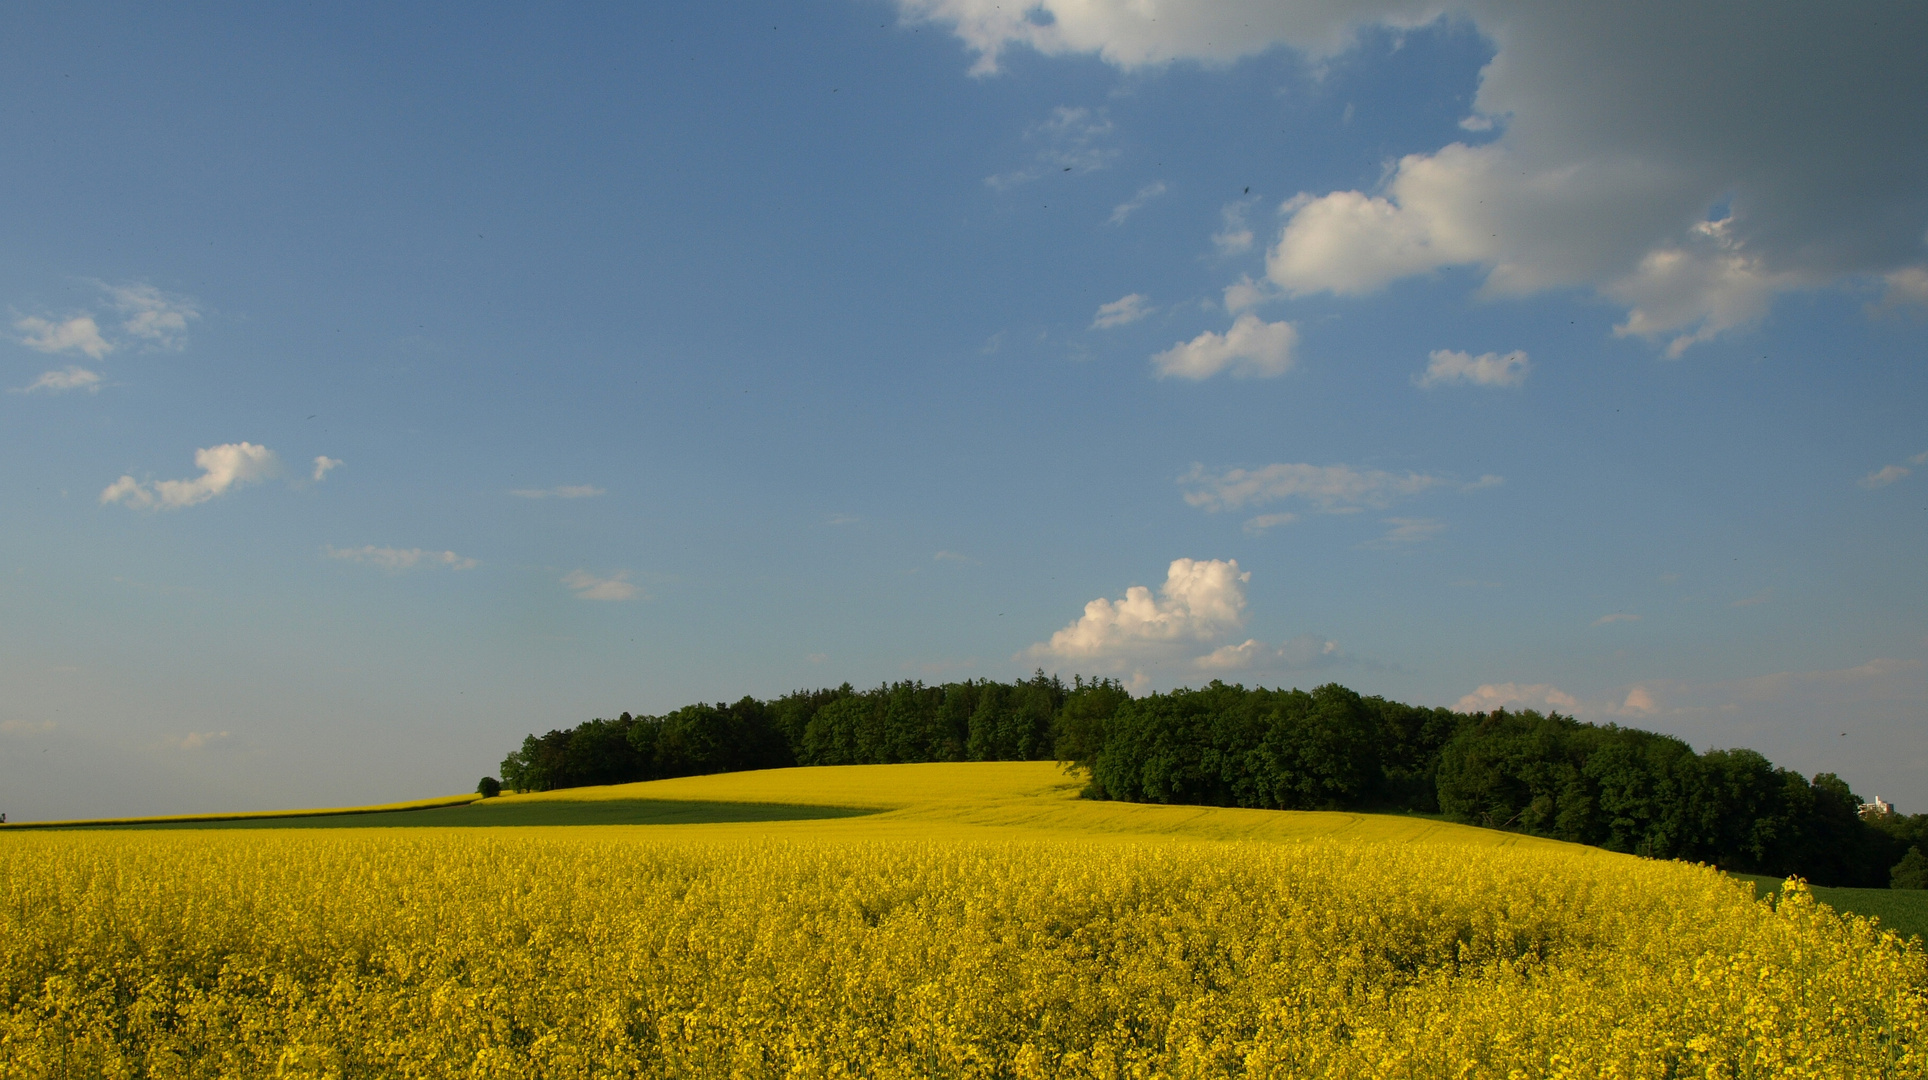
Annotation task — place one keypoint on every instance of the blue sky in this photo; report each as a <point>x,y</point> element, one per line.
<point>386,384</point>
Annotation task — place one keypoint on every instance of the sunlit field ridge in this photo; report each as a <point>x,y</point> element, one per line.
<point>976,920</point>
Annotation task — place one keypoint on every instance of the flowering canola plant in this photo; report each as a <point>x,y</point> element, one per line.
<point>846,949</point>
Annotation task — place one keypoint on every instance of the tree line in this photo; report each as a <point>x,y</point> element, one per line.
<point>1326,749</point>
<point>977,720</point>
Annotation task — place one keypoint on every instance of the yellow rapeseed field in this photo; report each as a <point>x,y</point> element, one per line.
<point>982,924</point>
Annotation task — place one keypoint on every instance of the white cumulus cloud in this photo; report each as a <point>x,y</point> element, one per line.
<point>1121,312</point>
<point>223,468</point>
<point>78,333</point>
<point>59,382</point>
<point>395,560</point>
<point>1251,348</point>
<point>1444,366</point>
<point>1541,696</point>
<point>1676,160</point>
<point>1639,702</point>
<point>323,463</point>
<point>588,586</point>
<point>1200,602</point>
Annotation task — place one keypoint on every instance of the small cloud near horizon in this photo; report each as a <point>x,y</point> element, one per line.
<point>588,586</point>
<point>1888,474</point>
<point>195,740</point>
<point>395,560</point>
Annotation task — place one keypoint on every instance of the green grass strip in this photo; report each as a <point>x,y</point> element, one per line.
<point>1904,911</point>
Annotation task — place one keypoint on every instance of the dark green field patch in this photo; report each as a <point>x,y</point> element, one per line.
<point>1902,910</point>
<point>493,813</point>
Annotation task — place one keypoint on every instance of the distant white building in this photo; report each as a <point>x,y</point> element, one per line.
<point>1880,807</point>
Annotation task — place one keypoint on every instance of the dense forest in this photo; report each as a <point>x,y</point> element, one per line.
<point>1325,749</point>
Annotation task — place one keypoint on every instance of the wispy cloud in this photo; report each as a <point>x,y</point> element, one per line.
<point>588,586</point>
<point>151,316</point>
<point>395,560</point>
<point>1908,285</point>
<point>1884,691</point>
<point>200,740</point>
<point>952,556</point>
<point>1137,202</point>
<point>1618,616</point>
<point>1246,293</point>
<point>1331,489</point>
<point>566,491</point>
<point>77,334</point>
<point>1121,312</point>
<point>59,382</point>
<point>1885,475</point>
<point>1307,652</point>
<point>1263,522</point>
<point>323,463</point>
<point>1446,367</point>
<point>1234,236</point>
<point>223,468</point>
<point>1072,139</point>
<point>146,316</point>
<point>1406,531</point>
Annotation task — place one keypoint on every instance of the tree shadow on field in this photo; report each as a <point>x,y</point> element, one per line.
<point>492,814</point>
